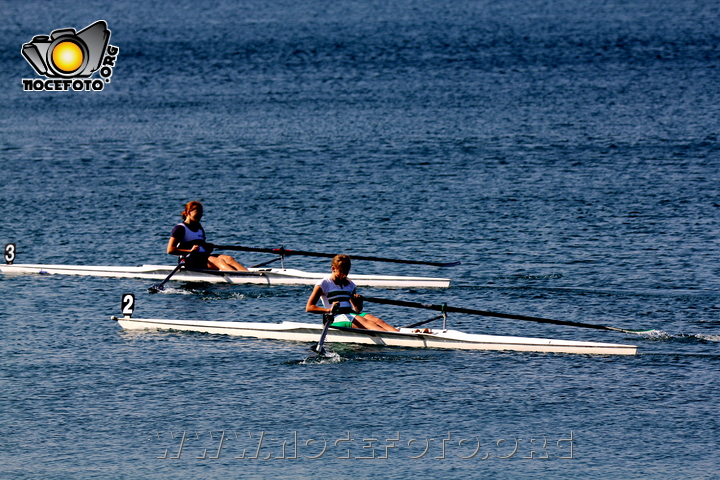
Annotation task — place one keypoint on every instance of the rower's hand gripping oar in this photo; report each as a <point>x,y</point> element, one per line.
<point>285,253</point>
<point>445,308</point>
<point>161,286</point>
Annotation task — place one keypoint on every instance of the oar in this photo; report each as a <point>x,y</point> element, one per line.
<point>161,286</point>
<point>283,252</point>
<point>445,308</point>
<point>327,320</point>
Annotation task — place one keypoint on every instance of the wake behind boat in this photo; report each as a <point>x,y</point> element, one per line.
<point>406,337</point>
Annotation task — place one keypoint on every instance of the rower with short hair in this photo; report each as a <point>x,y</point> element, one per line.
<point>339,297</point>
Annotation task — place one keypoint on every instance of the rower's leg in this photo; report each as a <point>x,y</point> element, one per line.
<point>232,262</point>
<point>381,324</point>
<point>371,322</point>
<point>225,262</point>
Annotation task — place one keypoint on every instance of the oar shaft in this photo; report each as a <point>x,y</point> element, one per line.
<point>284,252</point>
<point>327,320</point>
<point>445,308</point>
<point>161,285</point>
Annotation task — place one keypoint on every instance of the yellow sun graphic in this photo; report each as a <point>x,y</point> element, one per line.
<point>67,56</point>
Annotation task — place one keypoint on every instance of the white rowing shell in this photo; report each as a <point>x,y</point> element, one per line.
<point>264,276</point>
<point>416,338</point>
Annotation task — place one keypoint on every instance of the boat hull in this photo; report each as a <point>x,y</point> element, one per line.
<point>260,276</point>
<point>414,338</point>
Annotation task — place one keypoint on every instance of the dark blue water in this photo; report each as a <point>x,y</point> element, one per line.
<point>566,152</point>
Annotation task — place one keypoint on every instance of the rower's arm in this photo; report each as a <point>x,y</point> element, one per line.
<point>311,306</point>
<point>172,247</point>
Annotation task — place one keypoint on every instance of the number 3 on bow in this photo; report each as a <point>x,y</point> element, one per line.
<point>9,253</point>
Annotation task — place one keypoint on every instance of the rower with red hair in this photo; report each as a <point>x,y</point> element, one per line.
<point>188,239</point>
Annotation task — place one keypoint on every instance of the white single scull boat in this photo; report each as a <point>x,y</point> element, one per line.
<point>259,274</point>
<point>406,337</point>
<point>262,276</point>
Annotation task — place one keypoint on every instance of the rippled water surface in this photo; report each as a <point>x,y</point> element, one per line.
<point>566,152</point>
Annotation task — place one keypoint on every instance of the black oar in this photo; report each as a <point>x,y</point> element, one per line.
<point>445,308</point>
<point>284,253</point>
<point>161,286</point>
<point>327,320</point>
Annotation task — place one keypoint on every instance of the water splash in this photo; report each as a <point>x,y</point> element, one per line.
<point>327,358</point>
<point>661,335</point>
<point>175,291</point>
<point>655,334</point>
<point>708,338</point>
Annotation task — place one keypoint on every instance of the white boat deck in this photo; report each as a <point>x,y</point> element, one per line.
<point>262,276</point>
<point>416,338</point>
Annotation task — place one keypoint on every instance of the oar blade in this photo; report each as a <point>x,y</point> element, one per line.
<point>447,265</point>
<point>318,349</point>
